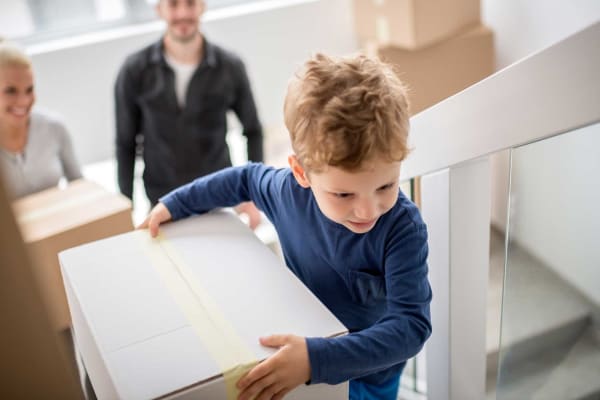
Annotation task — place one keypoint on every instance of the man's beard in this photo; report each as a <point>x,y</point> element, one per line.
<point>184,39</point>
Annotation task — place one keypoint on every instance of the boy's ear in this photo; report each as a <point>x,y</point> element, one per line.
<point>298,171</point>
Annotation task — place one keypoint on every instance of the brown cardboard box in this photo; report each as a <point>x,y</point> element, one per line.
<point>412,24</point>
<point>34,365</point>
<point>439,71</point>
<point>57,219</point>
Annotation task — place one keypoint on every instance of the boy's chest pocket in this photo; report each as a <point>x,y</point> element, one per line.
<point>366,288</point>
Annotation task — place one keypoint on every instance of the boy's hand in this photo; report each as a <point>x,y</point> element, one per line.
<point>279,374</point>
<point>160,213</point>
<point>251,211</point>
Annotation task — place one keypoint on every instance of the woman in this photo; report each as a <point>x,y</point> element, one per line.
<point>35,148</point>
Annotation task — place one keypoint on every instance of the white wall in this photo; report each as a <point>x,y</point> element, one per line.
<point>15,19</point>
<point>554,233</point>
<point>76,79</point>
<point>525,27</point>
<point>522,28</point>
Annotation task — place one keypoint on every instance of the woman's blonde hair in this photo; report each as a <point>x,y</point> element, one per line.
<point>346,112</point>
<point>13,56</point>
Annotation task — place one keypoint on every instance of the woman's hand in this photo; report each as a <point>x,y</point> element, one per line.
<point>159,214</point>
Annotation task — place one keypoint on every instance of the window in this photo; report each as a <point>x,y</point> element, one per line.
<point>33,21</point>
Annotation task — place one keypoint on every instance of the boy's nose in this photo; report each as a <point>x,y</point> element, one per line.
<point>366,210</point>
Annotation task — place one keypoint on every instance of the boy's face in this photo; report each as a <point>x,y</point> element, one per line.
<point>353,199</point>
<point>182,17</point>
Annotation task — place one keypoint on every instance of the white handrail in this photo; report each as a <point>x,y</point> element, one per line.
<point>548,93</point>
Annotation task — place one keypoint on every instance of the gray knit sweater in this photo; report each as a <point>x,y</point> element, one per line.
<point>47,157</point>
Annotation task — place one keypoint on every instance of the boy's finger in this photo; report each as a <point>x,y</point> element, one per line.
<point>256,373</point>
<point>274,340</point>
<point>260,388</point>
<point>268,392</point>
<point>254,221</point>
<point>153,228</point>
<point>281,394</point>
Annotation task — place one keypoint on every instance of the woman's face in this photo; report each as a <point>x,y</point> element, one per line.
<point>16,95</point>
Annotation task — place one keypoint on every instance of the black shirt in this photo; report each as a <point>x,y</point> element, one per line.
<point>180,144</point>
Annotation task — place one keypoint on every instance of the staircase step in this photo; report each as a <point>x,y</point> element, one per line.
<point>578,374</point>
<point>563,373</point>
<point>536,299</point>
<point>541,312</point>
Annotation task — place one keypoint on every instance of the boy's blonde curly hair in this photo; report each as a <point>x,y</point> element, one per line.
<point>346,112</point>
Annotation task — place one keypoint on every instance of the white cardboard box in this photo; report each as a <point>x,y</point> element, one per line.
<point>135,340</point>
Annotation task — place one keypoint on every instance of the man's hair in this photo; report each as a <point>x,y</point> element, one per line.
<point>11,55</point>
<point>346,112</point>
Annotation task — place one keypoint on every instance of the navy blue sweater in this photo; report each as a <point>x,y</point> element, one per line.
<point>375,283</point>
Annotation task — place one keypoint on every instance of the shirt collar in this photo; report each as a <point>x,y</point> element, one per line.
<point>209,57</point>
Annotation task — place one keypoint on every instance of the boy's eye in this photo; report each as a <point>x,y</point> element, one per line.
<point>342,195</point>
<point>385,187</point>
<point>10,90</point>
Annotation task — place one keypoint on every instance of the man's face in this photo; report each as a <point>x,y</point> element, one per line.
<point>182,18</point>
<point>355,199</point>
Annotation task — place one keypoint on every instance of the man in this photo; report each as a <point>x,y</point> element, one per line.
<point>171,102</point>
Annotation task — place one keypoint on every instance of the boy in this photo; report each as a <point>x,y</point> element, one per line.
<point>345,228</point>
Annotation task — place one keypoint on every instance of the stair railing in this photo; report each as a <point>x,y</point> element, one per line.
<point>548,93</point>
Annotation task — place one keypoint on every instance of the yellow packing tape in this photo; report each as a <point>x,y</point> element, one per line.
<point>65,204</point>
<point>217,335</point>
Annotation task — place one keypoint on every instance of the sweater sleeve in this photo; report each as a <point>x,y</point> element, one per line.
<point>227,188</point>
<point>399,334</point>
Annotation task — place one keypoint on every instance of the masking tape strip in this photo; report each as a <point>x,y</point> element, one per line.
<point>217,335</point>
<point>63,205</point>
